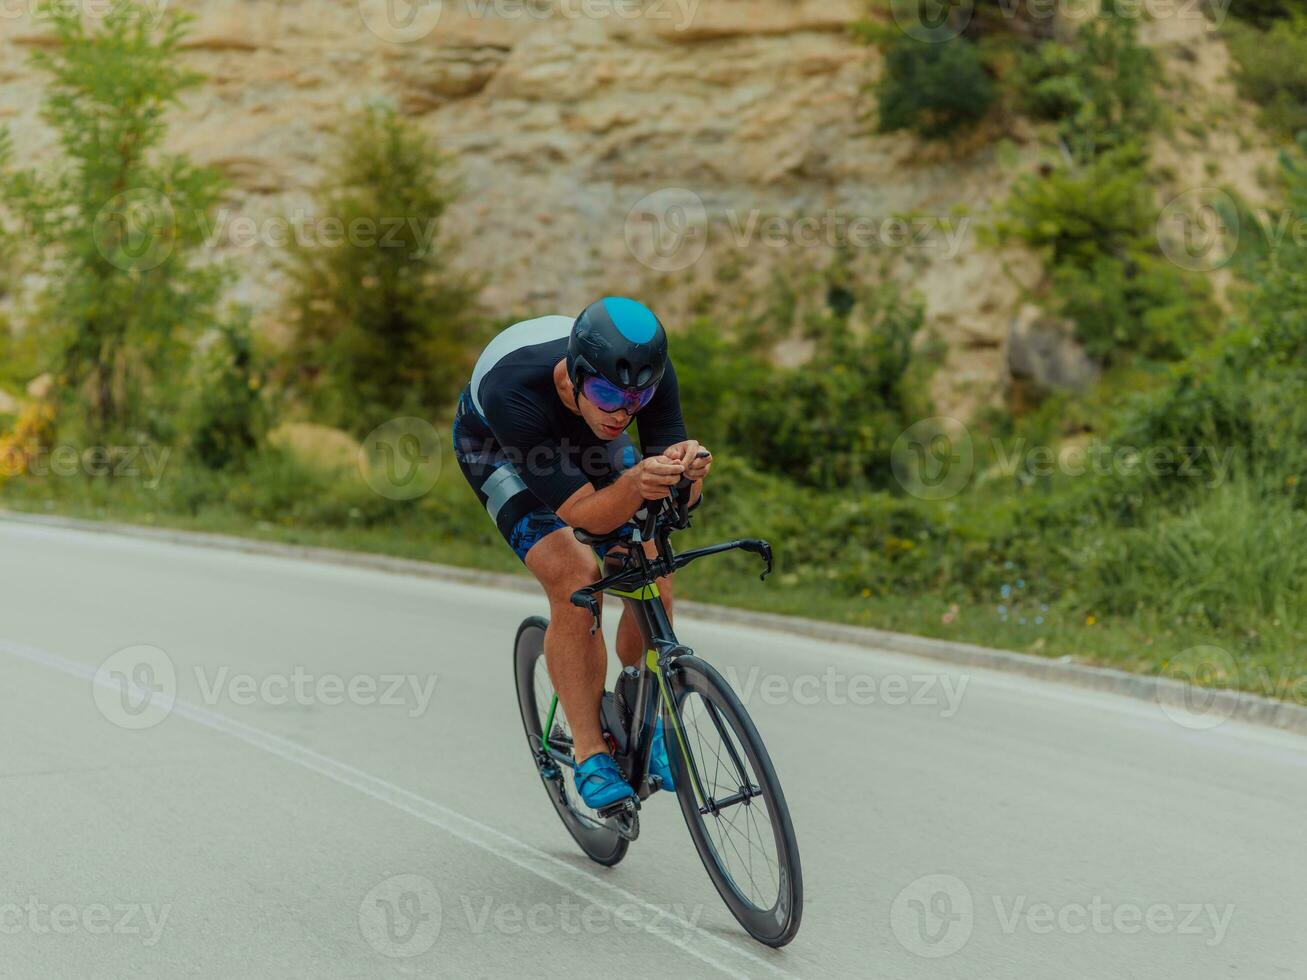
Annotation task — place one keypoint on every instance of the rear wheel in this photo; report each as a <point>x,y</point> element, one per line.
<point>535,695</point>
<point>734,809</point>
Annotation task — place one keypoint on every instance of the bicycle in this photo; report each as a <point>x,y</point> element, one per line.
<point>728,794</point>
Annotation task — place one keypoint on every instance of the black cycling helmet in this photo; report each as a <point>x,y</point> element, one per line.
<point>619,340</point>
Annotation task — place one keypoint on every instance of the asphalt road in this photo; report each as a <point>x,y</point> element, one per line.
<point>339,788</point>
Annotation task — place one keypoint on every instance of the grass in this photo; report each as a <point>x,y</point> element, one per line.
<point>283,503</point>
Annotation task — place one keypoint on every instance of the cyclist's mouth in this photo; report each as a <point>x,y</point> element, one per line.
<point>612,431</point>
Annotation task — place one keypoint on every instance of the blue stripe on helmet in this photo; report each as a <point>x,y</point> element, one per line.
<point>633,320</point>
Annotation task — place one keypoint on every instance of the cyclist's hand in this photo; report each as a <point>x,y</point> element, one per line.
<point>697,459</point>
<point>656,476</point>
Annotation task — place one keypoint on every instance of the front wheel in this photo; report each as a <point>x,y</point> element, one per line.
<point>733,804</point>
<point>535,698</point>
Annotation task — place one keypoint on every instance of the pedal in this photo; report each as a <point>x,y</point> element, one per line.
<point>623,817</point>
<point>619,809</point>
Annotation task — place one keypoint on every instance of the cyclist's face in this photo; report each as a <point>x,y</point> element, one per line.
<point>606,425</point>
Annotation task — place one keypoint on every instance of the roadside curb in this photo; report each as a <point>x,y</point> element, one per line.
<point>1222,705</point>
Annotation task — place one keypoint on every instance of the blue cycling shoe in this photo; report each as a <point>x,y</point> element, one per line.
<point>659,764</point>
<point>599,782</point>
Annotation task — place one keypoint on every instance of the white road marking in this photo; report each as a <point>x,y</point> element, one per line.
<point>660,924</point>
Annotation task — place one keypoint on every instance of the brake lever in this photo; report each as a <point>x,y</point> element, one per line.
<point>761,549</point>
<point>585,599</point>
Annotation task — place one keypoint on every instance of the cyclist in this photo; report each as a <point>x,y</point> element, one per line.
<point>540,435</point>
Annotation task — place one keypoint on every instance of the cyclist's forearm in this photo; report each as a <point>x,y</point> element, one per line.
<point>601,511</point>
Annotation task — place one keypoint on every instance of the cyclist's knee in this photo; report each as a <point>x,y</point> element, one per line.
<point>562,566</point>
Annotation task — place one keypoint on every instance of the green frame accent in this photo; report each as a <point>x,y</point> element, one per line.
<point>649,591</point>
<point>651,661</point>
<point>549,723</point>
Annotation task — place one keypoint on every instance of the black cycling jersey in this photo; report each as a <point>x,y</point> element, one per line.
<point>553,450</point>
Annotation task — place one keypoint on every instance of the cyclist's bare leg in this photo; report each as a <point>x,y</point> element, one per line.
<point>575,657</point>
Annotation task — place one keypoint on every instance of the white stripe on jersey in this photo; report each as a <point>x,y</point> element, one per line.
<point>528,333</point>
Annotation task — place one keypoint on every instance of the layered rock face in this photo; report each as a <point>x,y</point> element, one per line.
<point>615,145</point>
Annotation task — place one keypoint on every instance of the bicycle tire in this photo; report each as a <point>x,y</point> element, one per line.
<point>777,924</point>
<point>601,844</point>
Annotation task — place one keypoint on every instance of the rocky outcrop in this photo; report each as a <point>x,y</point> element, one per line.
<point>1043,350</point>
<point>602,145</point>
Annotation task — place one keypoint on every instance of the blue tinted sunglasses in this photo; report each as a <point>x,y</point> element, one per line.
<point>607,397</point>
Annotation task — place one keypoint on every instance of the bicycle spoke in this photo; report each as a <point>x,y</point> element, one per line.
<point>744,851</point>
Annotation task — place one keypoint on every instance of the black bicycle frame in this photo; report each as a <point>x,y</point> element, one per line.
<point>635,581</point>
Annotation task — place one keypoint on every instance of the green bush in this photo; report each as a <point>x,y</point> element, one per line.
<point>1264,13</point>
<point>1097,227</point>
<point>381,325</point>
<point>829,422</point>
<point>1271,70</point>
<point>118,224</point>
<point>225,415</point>
<point>932,88</point>
<point>1233,562</point>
